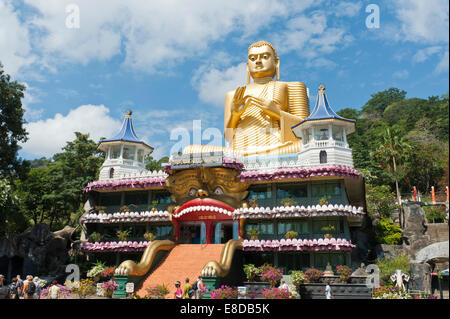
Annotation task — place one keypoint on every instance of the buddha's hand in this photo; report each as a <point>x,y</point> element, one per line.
<point>238,100</point>
<point>268,106</point>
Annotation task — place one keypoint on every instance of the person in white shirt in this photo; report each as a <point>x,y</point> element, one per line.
<point>327,291</point>
<point>54,291</point>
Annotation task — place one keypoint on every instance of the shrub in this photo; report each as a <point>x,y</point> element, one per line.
<point>253,232</point>
<point>271,274</point>
<point>288,202</point>
<point>389,266</point>
<point>387,232</point>
<point>225,292</point>
<point>344,272</point>
<point>84,288</point>
<point>381,201</point>
<point>251,271</point>
<point>157,292</point>
<point>276,293</point>
<point>434,214</point>
<point>64,291</point>
<point>298,277</point>
<point>96,270</point>
<point>385,292</point>
<point>291,234</point>
<point>313,274</point>
<point>95,237</point>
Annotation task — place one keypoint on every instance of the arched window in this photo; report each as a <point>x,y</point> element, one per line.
<point>323,157</point>
<point>111,173</point>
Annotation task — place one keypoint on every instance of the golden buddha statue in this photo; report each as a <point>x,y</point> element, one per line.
<point>258,117</point>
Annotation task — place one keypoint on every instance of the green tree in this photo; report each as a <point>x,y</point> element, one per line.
<point>54,193</point>
<point>154,165</point>
<point>392,150</point>
<point>380,200</point>
<point>381,100</point>
<point>12,130</point>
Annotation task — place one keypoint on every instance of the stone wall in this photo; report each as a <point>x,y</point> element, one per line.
<point>438,232</point>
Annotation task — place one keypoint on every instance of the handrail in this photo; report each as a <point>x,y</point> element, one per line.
<point>129,267</point>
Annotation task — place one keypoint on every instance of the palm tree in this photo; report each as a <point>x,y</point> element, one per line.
<point>392,150</point>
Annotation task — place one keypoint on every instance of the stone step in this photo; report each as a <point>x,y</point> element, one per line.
<point>183,261</point>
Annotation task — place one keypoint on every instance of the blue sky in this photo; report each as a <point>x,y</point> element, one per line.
<point>172,62</point>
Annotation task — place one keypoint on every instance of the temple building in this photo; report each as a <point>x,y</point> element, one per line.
<point>211,211</point>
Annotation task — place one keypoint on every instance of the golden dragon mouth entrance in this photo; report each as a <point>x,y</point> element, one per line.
<point>205,221</point>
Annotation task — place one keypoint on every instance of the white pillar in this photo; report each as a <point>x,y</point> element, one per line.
<point>330,131</point>
<point>313,134</point>
<point>121,152</point>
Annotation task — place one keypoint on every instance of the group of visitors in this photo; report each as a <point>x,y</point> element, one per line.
<point>189,291</point>
<point>29,288</point>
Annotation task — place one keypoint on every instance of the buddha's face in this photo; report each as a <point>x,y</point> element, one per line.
<point>261,62</point>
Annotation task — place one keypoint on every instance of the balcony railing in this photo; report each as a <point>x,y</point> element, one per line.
<point>325,143</point>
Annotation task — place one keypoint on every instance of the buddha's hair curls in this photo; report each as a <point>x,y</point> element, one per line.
<point>262,43</point>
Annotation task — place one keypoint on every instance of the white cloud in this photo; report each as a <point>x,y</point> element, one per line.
<point>423,54</point>
<point>443,64</point>
<point>15,50</point>
<point>47,137</point>
<point>150,35</point>
<point>423,21</point>
<point>213,83</point>
<point>347,9</point>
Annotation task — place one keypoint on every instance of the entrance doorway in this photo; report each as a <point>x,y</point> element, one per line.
<point>192,233</point>
<point>224,231</point>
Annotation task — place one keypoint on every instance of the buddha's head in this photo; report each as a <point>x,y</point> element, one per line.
<point>262,61</point>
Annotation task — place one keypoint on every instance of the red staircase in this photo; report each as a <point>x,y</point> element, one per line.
<point>183,261</point>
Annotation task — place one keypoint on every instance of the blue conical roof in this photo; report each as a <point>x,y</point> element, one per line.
<point>127,133</point>
<point>322,109</point>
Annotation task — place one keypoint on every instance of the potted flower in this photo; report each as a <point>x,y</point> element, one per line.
<point>276,293</point>
<point>157,292</point>
<point>153,206</point>
<point>123,234</point>
<point>291,234</point>
<point>225,292</point>
<point>124,209</point>
<point>253,202</point>
<point>100,209</point>
<point>253,233</point>
<point>95,237</point>
<point>251,271</point>
<point>109,287</point>
<point>344,273</point>
<point>133,207</point>
<point>96,271</point>
<point>328,230</point>
<point>107,273</point>
<point>324,200</point>
<point>298,277</point>
<point>149,236</point>
<point>313,275</point>
<point>271,274</point>
<point>288,202</point>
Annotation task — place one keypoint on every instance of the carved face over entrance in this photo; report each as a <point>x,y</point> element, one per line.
<point>220,184</point>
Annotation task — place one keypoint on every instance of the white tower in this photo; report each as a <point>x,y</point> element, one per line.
<point>124,153</point>
<point>324,135</point>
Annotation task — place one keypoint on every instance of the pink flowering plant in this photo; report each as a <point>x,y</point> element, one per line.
<point>313,275</point>
<point>157,292</point>
<point>344,272</point>
<point>271,274</point>
<point>63,290</point>
<point>291,234</point>
<point>225,292</point>
<point>109,286</point>
<point>276,293</point>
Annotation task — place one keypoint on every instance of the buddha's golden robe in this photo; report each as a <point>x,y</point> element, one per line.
<point>258,133</point>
